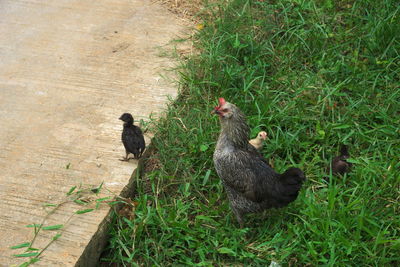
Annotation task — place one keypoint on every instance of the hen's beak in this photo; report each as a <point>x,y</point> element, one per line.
<point>215,111</point>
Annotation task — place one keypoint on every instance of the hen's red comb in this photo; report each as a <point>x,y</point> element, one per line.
<point>221,101</point>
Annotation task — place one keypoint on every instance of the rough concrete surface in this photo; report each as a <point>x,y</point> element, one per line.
<point>68,70</point>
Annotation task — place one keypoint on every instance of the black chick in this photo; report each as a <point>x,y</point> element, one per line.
<point>339,164</point>
<point>132,137</point>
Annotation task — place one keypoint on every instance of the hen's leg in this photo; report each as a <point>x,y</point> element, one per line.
<point>239,217</point>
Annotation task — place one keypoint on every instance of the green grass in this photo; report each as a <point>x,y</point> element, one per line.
<point>313,74</point>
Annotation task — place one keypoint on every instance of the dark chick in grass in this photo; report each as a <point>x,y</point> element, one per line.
<point>132,138</point>
<point>251,184</point>
<point>339,164</point>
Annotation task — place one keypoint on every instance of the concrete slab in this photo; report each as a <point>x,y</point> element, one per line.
<point>68,70</point>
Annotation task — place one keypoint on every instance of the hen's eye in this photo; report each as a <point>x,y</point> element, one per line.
<point>225,110</point>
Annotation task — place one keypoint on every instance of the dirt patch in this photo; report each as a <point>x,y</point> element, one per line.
<point>186,9</point>
<point>152,162</point>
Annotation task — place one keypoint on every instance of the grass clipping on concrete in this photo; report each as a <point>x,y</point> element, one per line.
<point>314,75</point>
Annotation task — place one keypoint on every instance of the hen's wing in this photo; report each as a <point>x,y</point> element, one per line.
<point>252,150</point>
<point>248,173</point>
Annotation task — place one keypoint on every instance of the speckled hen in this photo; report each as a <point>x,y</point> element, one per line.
<point>132,137</point>
<point>251,184</point>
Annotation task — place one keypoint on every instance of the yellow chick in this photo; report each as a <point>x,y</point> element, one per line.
<point>258,142</point>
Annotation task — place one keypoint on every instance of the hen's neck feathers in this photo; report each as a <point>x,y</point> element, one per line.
<point>234,130</point>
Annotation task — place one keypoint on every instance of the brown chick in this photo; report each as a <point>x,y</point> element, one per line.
<point>258,142</point>
<point>339,164</point>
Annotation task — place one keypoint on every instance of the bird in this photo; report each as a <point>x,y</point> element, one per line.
<point>339,164</point>
<point>132,137</point>
<point>250,183</point>
<point>258,142</point>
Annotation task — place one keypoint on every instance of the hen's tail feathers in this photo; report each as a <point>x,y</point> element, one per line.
<point>290,183</point>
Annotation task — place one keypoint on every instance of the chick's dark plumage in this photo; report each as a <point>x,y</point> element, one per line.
<point>339,164</point>
<point>251,184</point>
<point>132,137</point>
